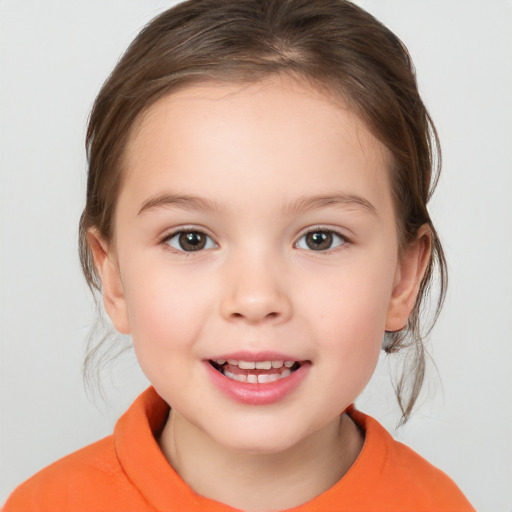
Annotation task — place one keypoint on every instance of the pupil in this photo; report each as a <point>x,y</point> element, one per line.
<point>192,241</point>
<point>319,240</point>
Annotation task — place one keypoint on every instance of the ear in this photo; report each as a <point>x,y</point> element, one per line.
<point>409,274</point>
<point>111,284</point>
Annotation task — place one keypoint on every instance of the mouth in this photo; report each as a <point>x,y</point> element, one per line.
<point>255,372</point>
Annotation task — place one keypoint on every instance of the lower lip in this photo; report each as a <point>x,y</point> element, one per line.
<point>258,394</point>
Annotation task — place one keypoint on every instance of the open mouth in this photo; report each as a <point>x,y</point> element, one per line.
<point>255,372</point>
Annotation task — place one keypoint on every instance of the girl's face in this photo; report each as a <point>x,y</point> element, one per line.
<point>255,225</point>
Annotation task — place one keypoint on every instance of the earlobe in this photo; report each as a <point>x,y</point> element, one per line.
<point>410,271</point>
<point>112,288</point>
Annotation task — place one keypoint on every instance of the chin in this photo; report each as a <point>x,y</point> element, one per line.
<point>261,445</point>
<point>262,439</point>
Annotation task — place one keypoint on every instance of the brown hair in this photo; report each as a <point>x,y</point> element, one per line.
<point>331,43</point>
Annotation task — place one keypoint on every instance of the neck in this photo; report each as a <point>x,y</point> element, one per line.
<point>257,482</point>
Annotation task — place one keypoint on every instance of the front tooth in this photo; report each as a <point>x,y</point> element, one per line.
<point>233,362</point>
<point>246,365</point>
<point>264,378</point>
<point>239,377</point>
<point>264,365</point>
<point>277,364</point>
<point>289,364</point>
<point>252,378</point>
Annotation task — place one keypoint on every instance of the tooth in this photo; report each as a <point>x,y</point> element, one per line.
<point>289,364</point>
<point>277,364</point>
<point>284,374</point>
<point>220,361</point>
<point>233,362</point>
<point>264,365</point>
<point>246,365</point>
<point>252,378</point>
<point>264,378</point>
<point>233,376</point>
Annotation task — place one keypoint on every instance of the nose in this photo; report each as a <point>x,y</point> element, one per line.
<point>255,291</point>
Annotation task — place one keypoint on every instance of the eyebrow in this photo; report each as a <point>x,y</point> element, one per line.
<point>322,201</point>
<point>304,203</point>
<point>187,202</point>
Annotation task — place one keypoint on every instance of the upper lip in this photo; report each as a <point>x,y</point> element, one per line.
<point>255,356</point>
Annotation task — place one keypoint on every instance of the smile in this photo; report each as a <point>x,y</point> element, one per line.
<point>257,379</point>
<point>255,372</point>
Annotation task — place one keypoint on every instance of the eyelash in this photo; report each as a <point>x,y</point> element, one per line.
<point>209,243</point>
<point>325,231</point>
<point>174,234</point>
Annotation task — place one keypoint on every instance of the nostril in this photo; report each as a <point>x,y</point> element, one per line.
<point>269,316</point>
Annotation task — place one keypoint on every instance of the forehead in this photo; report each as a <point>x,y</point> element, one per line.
<point>216,134</point>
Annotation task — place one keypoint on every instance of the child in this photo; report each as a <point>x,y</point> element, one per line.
<point>256,220</point>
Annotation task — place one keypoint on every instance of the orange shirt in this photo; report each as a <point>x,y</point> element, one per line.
<point>128,472</point>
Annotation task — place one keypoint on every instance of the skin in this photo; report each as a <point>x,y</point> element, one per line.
<point>257,154</point>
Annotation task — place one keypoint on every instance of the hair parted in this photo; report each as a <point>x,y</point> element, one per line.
<point>332,44</point>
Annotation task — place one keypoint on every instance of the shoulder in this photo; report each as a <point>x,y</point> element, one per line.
<point>421,479</point>
<point>401,477</point>
<point>81,474</point>
<point>113,474</point>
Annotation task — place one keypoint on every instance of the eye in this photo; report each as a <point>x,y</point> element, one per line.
<point>320,240</point>
<point>189,241</point>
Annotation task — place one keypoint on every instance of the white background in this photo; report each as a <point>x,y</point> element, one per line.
<point>54,55</point>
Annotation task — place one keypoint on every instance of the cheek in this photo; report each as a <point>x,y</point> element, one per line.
<point>349,315</point>
<point>165,311</point>
<point>167,319</point>
<point>351,330</point>
<point>354,298</point>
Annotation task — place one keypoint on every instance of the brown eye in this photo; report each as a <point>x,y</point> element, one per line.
<point>190,241</point>
<point>320,240</point>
